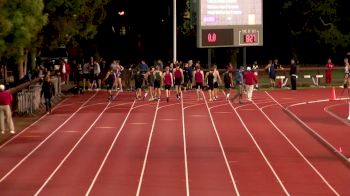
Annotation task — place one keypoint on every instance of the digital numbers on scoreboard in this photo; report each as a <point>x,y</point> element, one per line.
<point>229,23</point>
<point>249,37</point>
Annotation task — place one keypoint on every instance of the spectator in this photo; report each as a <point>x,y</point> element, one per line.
<point>48,90</point>
<point>143,67</point>
<point>68,70</point>
<point>329,67</point>
<point>293,74</point>
<point>250,80</point>
<point>347,73</point>
<point>272,73</point>
<point>5,111</point>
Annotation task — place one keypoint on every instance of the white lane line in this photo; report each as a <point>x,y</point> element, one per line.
<point>297,150</point>
<point>185,147</point>
<point>71,150</point>
<point>34,123</point>
<point>261,152</point>
<point>109,150</point>
<point>328,111</point>
<point>48,137</point>
<point>147,151</point>
<point>233,181</point>
<point>322,140</point>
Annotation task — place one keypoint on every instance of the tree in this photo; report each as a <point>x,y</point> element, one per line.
<point>319,24</point>
<point>72,21</point>
<point>20,22</point>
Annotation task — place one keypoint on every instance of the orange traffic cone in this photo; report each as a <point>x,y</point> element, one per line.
<point>333,96</point>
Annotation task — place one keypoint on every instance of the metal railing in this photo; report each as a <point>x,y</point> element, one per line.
<point>28,96</point>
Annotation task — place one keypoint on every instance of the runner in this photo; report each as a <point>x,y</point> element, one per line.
<point>198,78</point>
<point>150,81</point>
<point>109,80</point>
<point>228,81</point>
<point>119,70</point>
<point>239,85</point>
<point>187,72</point>
<point>168,82</point>
<point>139,77</point>
<point>157,82</point>
<point>217,82</point>
<point>6,99</point>
<point>209,78</point>
<point>179,79</point>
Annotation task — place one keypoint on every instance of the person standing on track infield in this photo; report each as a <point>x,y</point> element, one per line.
<point>272,73</point>
<point>329,67</point>
<point>347,73</point>
<point>168,82</point>
<point>250,80</point>
<point>293,74</point>
<point>239,85</point>
<point>48,90</point>
<point>5,110</point>
<point>179,79</point>
<point>198,78</point>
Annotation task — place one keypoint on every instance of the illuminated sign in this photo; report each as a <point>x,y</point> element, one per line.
<point>213,37</point>
<point>241,20</point>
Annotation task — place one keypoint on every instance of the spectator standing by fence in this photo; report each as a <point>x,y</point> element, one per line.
<point>293,74</point>
<point>329,67</point>
<point>347,73</point>
<point>5,111</point>
<point>48,90</point>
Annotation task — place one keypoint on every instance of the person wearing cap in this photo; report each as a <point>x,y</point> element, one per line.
<point>250,80</point>
<point>5,110</point>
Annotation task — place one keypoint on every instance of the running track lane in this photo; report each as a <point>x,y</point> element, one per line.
<point>281,154</point>
<point>28,176</point>
<point>89,153</point>
<point>14,150</point>
<point>207,171</point>
<point>312,179</point>
<point>252,174</point>
<point>332,131</point>
<point>120,173</point>
<point>165,169</point>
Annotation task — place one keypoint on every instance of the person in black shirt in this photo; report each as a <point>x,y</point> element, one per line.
<point>48,90</point>
<point>293,74</point>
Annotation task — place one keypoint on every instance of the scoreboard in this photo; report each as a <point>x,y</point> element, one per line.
<point>229,23</point>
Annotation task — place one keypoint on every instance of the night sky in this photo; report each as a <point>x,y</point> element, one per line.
<point>148,26</point>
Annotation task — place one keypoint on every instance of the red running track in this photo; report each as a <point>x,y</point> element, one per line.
<point>88,146</point>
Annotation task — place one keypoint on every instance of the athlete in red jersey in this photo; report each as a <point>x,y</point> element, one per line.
<point>198,78</point>
<point>329,67</point>
<point>168,82</point>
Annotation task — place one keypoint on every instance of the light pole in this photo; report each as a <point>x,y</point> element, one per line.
<point>174,33</point>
